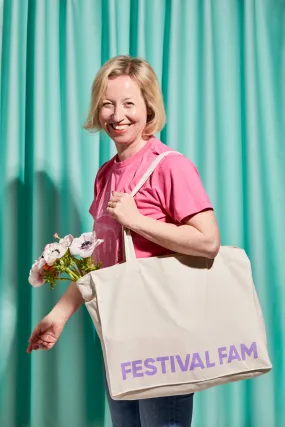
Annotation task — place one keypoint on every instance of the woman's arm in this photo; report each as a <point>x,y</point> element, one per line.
<point>198,236</point>
<point>48,330</point>
<point>70,301</point>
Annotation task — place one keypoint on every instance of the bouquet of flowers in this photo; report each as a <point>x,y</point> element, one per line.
<point>68,259</point>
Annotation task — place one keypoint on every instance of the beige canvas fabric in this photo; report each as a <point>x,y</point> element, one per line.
<point>176,324</point>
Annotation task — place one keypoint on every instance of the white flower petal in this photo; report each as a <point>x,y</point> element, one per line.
<point>35,276</point>
<point>98,242</point>
<point>53,252</point>
<point>84,245</point>
<point>41,262</point>
<point>89,236</point>
<point>67,240</point>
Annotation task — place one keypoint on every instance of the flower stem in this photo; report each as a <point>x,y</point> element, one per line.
<point>75,271</point>
<point>72,274</point>
<point>76,265</point>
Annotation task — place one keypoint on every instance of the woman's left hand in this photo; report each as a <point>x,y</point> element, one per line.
<point>123,208</point>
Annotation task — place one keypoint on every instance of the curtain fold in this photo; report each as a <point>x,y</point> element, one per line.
<point>221,66</point>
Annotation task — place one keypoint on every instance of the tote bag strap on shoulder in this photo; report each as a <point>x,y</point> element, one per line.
<point>129,249</point>
<point>149,171</point>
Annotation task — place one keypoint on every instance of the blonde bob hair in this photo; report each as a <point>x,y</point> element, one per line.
<point>142,73</point>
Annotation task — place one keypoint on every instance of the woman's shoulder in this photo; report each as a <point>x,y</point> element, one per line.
<point>158,147</point>
<point>104,169</point>
<point>101,176</point>
<point>174,161</point>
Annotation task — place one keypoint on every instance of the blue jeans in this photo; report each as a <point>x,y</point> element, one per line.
<point>172,411</point>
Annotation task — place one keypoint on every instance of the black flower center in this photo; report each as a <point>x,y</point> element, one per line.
<point>86,244</point>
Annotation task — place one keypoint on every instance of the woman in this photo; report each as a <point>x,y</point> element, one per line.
<point>171,212</point>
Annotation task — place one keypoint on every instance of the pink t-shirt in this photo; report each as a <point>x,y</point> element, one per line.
<point>173,192</point>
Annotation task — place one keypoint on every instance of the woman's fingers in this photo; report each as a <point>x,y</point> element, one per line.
<point>114,200</point>
<point>37,346</point>
<point>29,349</point>
<point>32,347</point>
<point>44,343</point>
<point>117,194</point>
<point>116,197</point>
<point>34,335</point>
<point>37,341</point>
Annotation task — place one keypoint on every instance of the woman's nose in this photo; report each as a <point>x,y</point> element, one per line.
<point>118,114</point>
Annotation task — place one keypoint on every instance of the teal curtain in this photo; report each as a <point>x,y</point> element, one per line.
<point>221,66</point>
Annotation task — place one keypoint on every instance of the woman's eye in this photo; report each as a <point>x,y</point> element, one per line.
<point>107,104</point>
<point>130,104</point>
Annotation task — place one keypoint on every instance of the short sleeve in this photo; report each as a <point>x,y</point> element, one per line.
<point>98,182</point>
<point>92,206</point>
<point>179,188</point>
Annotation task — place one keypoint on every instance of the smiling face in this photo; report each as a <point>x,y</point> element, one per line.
<point>123,112</point>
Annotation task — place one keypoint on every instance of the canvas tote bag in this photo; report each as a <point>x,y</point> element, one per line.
<point>176,324</point>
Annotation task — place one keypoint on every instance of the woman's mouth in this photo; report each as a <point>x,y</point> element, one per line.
<point>119,129</point>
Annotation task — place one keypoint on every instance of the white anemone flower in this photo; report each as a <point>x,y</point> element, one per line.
<point>53,252</point>
<point>67,241</point>
<point>85,244</point>
<point>36,273</point>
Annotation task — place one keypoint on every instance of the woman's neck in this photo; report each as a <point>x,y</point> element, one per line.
<point>125,151</point>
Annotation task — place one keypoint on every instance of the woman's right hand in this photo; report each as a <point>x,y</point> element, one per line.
<point>46,333</point>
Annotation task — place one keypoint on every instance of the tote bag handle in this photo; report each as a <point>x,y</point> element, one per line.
<point>130,255</point>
